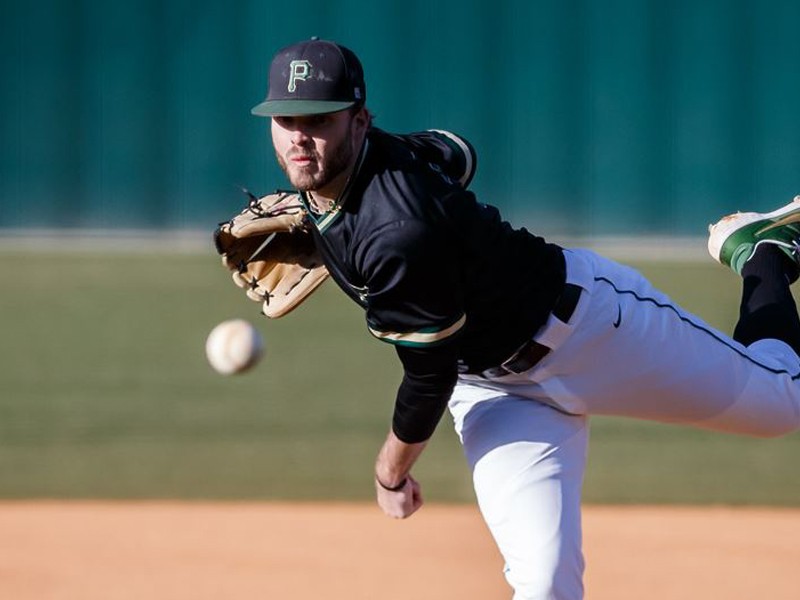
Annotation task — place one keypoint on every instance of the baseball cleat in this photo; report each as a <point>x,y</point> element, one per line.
<point>733,240</point>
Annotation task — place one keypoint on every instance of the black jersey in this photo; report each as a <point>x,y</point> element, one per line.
<point>440,275</point>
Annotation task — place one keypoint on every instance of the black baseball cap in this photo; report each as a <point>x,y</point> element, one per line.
<point>311,78</point>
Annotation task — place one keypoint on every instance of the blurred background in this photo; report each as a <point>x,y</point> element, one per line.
<point>127,124</point>
<point>590,117</point>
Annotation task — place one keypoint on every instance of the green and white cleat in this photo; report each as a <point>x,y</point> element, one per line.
<point>734,239</point>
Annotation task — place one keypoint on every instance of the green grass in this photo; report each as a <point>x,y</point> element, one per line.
<point>105,393</point>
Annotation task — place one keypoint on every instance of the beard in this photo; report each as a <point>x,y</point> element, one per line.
<point>319,172</point>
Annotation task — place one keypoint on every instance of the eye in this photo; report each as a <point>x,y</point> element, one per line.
<point>285,122</point>
<point>317,120</point>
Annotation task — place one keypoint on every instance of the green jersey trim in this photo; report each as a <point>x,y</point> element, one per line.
<point>423,337</point>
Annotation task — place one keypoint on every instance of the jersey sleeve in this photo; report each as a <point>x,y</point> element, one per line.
<point>415,294</point>
<point>445,151</point>
<point>429,376</point>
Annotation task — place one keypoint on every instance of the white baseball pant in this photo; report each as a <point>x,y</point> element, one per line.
<point>628,350</point>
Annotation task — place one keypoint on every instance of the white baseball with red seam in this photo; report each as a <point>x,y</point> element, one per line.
<point>234,346</point>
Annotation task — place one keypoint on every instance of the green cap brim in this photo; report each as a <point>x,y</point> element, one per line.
<point>298,108</point>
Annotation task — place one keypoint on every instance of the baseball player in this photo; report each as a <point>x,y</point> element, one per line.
<point>521,338</point>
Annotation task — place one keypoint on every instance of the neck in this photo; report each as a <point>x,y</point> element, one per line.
<point>325,197</point>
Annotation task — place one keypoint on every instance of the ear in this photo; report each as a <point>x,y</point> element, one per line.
<point>361,120</point>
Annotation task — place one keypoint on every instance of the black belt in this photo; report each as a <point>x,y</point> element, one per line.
<point>531,351</point>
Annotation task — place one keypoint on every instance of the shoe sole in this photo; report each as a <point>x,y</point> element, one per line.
<point>720,231</point>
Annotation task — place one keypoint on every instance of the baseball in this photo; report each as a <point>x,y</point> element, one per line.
<point>234,346</point>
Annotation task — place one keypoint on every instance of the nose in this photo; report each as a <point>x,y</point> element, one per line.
<point>300,137</point>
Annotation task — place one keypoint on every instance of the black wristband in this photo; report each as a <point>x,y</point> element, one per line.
<point>395,488</point>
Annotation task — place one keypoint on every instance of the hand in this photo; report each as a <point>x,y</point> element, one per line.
<point>400,504</point>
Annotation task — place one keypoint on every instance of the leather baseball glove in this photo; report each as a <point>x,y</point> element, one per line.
<point>271,253</point>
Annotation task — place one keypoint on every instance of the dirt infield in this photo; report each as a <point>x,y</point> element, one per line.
<point>198,551</point>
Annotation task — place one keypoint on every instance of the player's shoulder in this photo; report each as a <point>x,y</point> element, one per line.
<point>444,152</point>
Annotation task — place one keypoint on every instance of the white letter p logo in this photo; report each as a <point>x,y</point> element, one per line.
<point>298,70</point>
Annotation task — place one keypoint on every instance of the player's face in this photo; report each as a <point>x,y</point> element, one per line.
<point>317,151</point>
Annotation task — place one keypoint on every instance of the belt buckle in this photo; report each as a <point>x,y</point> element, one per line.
<point>499,371</point>
<point>494,372</point>
<point>508,364</point>
<point>517,363</point>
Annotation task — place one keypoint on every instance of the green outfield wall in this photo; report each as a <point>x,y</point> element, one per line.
<point>590,116</point>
